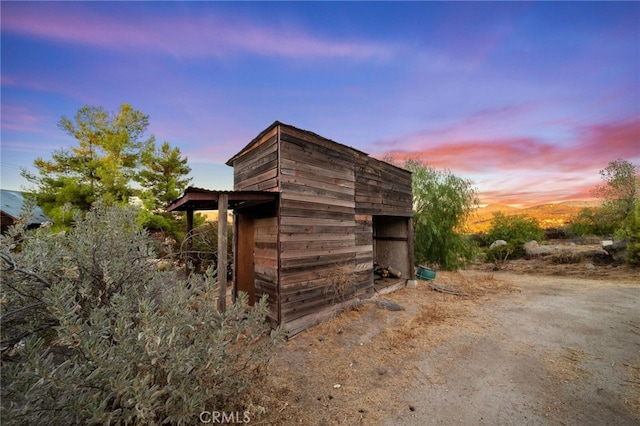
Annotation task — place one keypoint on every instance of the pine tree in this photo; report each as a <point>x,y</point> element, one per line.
<point>112,153</point>
<point>163,176</point>
<point>101,166</point>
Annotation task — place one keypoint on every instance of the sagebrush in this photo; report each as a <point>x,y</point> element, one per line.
<point>108,338</point>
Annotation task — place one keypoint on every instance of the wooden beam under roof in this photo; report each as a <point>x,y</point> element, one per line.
<point>204,199</point>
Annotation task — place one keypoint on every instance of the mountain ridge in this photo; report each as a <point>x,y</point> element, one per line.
<point>547,214</point>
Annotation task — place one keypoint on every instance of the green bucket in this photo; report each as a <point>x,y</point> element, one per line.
<point>425,273</point>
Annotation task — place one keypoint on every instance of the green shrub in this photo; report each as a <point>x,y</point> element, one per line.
<point>631,231</point>
<point>499,255</point>
<point>515,230</point>
<point>105,254</point>
<point>593,221</point>
<point>125,343</point>
<point>633,253</point>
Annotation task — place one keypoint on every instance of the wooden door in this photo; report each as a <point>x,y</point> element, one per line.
<point>245,269</point>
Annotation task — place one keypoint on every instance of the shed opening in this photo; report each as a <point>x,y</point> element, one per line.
<point>391,235</point>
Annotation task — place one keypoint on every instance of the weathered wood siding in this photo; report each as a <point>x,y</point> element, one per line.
<point>323,232</point>
<point>318,227</point>
<point>382,189</point>
<point>257,169</point>
<point>266,263</point>
<point>364,242</point>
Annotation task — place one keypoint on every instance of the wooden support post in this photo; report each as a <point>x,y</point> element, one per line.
<point>234,256</point>
<point>223,201</point>
<point>189,242</point>
<point>412,256</point>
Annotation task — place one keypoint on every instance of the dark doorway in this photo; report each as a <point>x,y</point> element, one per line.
<point>391,243</point>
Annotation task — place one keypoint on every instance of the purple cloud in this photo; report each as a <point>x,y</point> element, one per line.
<point>205,35</point>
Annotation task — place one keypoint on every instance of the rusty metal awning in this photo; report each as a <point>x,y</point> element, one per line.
<point>205,199</point>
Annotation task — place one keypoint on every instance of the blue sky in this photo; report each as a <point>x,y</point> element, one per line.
<point>528,100</point>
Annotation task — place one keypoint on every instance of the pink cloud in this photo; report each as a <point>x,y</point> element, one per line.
<point>204,35</point>
<point>531,188</point>
<point>16,117</point>
<point>613,140</point>
<point>526,168</point>
<point>24,118</point>
<point>479,155</point>
<point>592,146</point>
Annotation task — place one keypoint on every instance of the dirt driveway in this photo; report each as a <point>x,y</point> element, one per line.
<point>513,349</point>
<point>561,351</point>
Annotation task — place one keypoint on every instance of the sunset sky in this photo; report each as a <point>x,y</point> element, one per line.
<point>528,100</point>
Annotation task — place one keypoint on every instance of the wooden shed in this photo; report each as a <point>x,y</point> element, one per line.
<point>11,206</point>
<point>311,218</point>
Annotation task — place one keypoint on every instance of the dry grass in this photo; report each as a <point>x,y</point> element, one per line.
<point>476,284</point>
<point>369,352</point>
<point>341,279</point>
<point>428,315</point>
<point>548,267</point>
<point>564,258</point>
<point>566,365</point>
<point>632,382</point>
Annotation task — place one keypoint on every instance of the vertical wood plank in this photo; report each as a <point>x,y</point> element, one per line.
<point>223,202</point>
<point>234,269</point>
<point>189,245</point>
<point>245,268</point>
<point>412,256</point>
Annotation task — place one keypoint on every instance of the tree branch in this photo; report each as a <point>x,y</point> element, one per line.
<point>10,343</point>
<point>15,311</point>
<point>14,268</point>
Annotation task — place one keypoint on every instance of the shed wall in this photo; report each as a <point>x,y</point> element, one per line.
<point>323,234</point>
<point>257,169</point>
<point>318,228</point>
<point>265,260</point>
<point>382,189</point>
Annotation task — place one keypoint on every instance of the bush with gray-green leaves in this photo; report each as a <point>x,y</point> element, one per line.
<point>93,332</point>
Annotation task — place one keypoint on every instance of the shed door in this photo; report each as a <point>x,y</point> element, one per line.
<point>245,272</point>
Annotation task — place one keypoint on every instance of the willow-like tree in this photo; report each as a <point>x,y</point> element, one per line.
<point>442,202</point>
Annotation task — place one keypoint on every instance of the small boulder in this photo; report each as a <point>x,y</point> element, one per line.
<point>530,248</point>
<point>617,250</point>
<point>497,243</point>
<point>388,305</point>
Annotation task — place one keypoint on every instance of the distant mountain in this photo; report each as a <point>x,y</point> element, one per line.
<point>548,215</point>
<point>490,208</point>
<point>582,203</point>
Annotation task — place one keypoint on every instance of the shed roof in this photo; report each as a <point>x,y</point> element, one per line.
<point>205,199</point>
<point>278,123</point>
<point>12,203</point>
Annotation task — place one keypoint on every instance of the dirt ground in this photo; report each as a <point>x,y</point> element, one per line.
<point>532,343</point>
